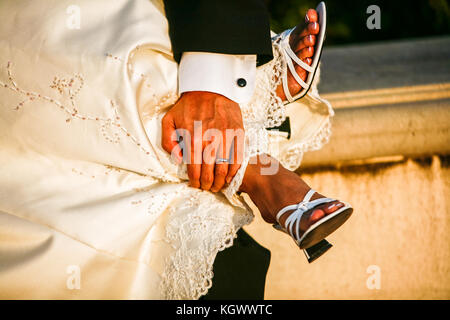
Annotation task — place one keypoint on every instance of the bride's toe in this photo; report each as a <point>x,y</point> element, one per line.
<point>330,208</point>
<point>324,210</point>
<point>311,16</point>
<point>316,215</point>
<point>307,52</point>
<point>309,40</point>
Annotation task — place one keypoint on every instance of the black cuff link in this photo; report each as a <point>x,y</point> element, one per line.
<point>241,82</point>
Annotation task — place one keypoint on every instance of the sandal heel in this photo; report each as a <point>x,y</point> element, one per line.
<point>317,250</point>
<point>313,252</point>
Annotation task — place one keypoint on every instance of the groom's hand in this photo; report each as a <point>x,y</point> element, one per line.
<point>211,128</point>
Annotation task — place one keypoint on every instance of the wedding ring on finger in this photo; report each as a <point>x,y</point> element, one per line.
<point>221,160</point>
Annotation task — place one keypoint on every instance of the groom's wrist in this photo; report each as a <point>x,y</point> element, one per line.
<point>232,76</point>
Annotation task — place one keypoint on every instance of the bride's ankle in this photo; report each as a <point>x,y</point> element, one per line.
<point>272,193</point>
<point>253,178</point>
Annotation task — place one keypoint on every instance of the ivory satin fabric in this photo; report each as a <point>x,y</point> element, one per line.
<point>91,207</point>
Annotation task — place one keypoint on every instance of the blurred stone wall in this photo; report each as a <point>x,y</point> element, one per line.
<point>400,225</point>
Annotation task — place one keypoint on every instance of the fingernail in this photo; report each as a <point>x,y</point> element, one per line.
<point>315,25</point>
<point>306,18</point>
<point>310,38</point>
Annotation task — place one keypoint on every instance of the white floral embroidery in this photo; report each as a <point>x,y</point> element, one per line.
<point>110,127</point>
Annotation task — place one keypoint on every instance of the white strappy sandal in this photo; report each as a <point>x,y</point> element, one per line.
<point>282,40</point>
<point>312,241</point>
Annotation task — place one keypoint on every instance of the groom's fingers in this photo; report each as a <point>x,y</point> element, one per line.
<point>220,173</point>
<point>169,138</point>
<point>196,111</point>
<point>195,157</point>
<point>221,168</point>
<point>208,162</point>
<point>237,157</point>
<point>194,175</point>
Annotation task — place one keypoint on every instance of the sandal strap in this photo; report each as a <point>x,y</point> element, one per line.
<point>306,198</point>
<point>294,73</point>
<point>290,56</point>
<point>293,56</point>
<point>287,93</point>
<point>299,209</point>
<point>309,195</point>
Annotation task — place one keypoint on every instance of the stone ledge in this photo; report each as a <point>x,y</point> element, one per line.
<point>377,119</point>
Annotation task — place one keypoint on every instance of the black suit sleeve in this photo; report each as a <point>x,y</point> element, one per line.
<point>219,26</point>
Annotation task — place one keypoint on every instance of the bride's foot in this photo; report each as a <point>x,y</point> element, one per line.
<point>271,193</point>
<point>302,42</point>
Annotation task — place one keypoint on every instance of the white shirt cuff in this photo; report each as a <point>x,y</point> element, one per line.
<point>232,76</point>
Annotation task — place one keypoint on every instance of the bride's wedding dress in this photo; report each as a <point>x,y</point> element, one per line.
<point>91,206</point>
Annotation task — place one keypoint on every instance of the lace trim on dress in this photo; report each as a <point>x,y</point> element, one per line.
<point>293,157</point>
<point>196,237</point>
